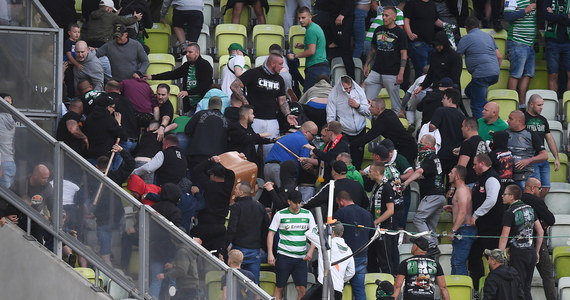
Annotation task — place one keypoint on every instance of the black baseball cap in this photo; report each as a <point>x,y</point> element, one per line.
<point>421,242</point>
<point>340,167</point>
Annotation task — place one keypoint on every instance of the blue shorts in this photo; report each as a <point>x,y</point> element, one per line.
<point>557,57</point>
<point>542,173</point>
<point>286,266</point>
<point>522,59</point>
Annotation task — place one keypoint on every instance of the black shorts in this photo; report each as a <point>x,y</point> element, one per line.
<point>286,266</point>
<point>193,18</point>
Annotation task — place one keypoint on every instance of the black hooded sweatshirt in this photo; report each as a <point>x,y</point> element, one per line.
<point>168,204</point>
<point>503,283</point>
<point>444,63</point>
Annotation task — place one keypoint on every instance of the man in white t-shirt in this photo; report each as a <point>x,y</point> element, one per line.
<point>234,68</point>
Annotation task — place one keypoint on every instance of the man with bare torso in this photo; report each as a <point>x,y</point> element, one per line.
<point>462,233</point>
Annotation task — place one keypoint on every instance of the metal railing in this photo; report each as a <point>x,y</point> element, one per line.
<point>121,238</point>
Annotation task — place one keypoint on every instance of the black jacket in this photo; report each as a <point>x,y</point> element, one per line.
<point>102,130</point>
<point>243,140</point>
<point>129,7</point>
<point>167,206</point>
<point>429,104</point>
<point>248,224</point>
<point>353,187</point>
<point>444,63</point>
<point>217,194</point>
<point>543,213</point>
<point>503,283</point>
<point>208,133</point>
<point>204,76</point>
<point>330,156</point>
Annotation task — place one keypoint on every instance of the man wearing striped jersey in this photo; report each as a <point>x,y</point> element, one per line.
<point>291,223</point>
<point>521,15</point>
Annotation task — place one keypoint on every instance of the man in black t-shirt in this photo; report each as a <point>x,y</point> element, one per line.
<point>381,252</point>
<point>69,128</point>
<point>419,274</point>
<point>266,92</point>
<point>431,189</point>
<point>539,125</point>
<point>164,112</point>
<point>389,51</point>
<point>471,146</point>
<point>518,223</point>
<point>448,120</point>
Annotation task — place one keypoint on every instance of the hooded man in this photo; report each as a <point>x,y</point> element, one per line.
<point>347,103</point>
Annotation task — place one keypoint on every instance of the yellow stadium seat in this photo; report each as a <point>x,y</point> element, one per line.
<point>370,283</point>
<point>78,6</point>
<point>347,291</point>
<point>169,15</point>
<point>562,174</point>
<point>550,108</point>
<point>214,284</point>
<point>504,75</point>
<point>481,286</point>
<point>226,34</point>
<point>173,98</point>
<point>89,274</point>
<point>276,12</point>
<point>224,61</point>
<point>540,79</point>
<point>265,35</point>
<point>158,38</point>
<point>208,12</point>
<point>384,95</point>
<point>508,101</point>
<point>267,281</point>
<point>296,35</point>
<point>445,224</point>
<point>561,260</point>
<point>160,63</point>
<point>459,286</point>
<point>204,39</point>
<point>338,70</point>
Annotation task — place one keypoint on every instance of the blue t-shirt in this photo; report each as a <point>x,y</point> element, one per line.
<point>68,46</point>
<point>242,293</point>
<point>480,57</point>
<point>294,142</point>
<point>353,236</point>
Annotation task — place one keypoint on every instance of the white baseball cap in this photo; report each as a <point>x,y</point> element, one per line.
<point>108,3</point>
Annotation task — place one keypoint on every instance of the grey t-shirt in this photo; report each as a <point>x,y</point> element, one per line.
<point>480,57</point>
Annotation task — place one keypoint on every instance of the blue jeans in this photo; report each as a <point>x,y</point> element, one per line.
<point>129,146</point>
<point>521,57</point>
<point>357,281</point>
<point>557,57</point>
<point>419,53</point>
<point>251,261</point>
<point>461,248</point>
<point>359,32</point>
<point>104,235</point>
<point>8,173</point>
<point>476,90</point>
<point>542,173</point>
<point>314,71</point>
<point>183,143</point>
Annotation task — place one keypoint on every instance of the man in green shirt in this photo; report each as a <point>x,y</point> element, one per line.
<point>490,121</point>
<point>315,49</point>
<point>352,173</point>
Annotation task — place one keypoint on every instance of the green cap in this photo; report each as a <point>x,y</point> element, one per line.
<point>236,46</point>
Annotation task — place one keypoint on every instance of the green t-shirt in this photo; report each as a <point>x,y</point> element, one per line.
<point>315,35</point>
<point>486,129</point>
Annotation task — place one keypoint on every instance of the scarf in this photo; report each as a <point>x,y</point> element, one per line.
<point>423,152</point>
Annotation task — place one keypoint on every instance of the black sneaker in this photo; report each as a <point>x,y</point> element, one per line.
<point>433,251</point>
<point>497,25</point>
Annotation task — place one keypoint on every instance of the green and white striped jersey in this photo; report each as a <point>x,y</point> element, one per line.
<point>522,30</point>
<point>291,228</point>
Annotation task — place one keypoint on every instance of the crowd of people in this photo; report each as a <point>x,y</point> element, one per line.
<point>490,174</point>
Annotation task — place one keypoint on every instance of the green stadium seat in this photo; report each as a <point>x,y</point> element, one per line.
<point>559,231</point>
<point>562,174</point>
<point>89,274</point>
<point>481,286</point>
<point>214,284</point>
<point>158,38</point>
<point>160,63</point>
<point>204,39</point>
<point>550,108</point>
<point>208,12</point>
<point>224,61</point>
<point>370,283</point>
<point>78,6</point>
<point>338,70</point>
<point>460,287</point>
<point>226,34</point>
<point>561,261</point>
<point>508,101</point>
<point>540,79</point>
<point>296,35</point>
<point>276,12</point>
<point>564,288</point>
<point>347,291</point>
<point>265,35</point>
<point>504,75</point>
<point>169,14</point>
<point>445,224</point>
<point>267,281</point>
<point>173,98</point>
<point>558,199</point>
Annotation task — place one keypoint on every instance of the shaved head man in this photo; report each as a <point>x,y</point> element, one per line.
<point>490,121</point>
<point>90,69</point>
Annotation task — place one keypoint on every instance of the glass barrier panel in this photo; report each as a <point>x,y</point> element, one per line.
<point>101,218</point>
<point>28,69</point>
